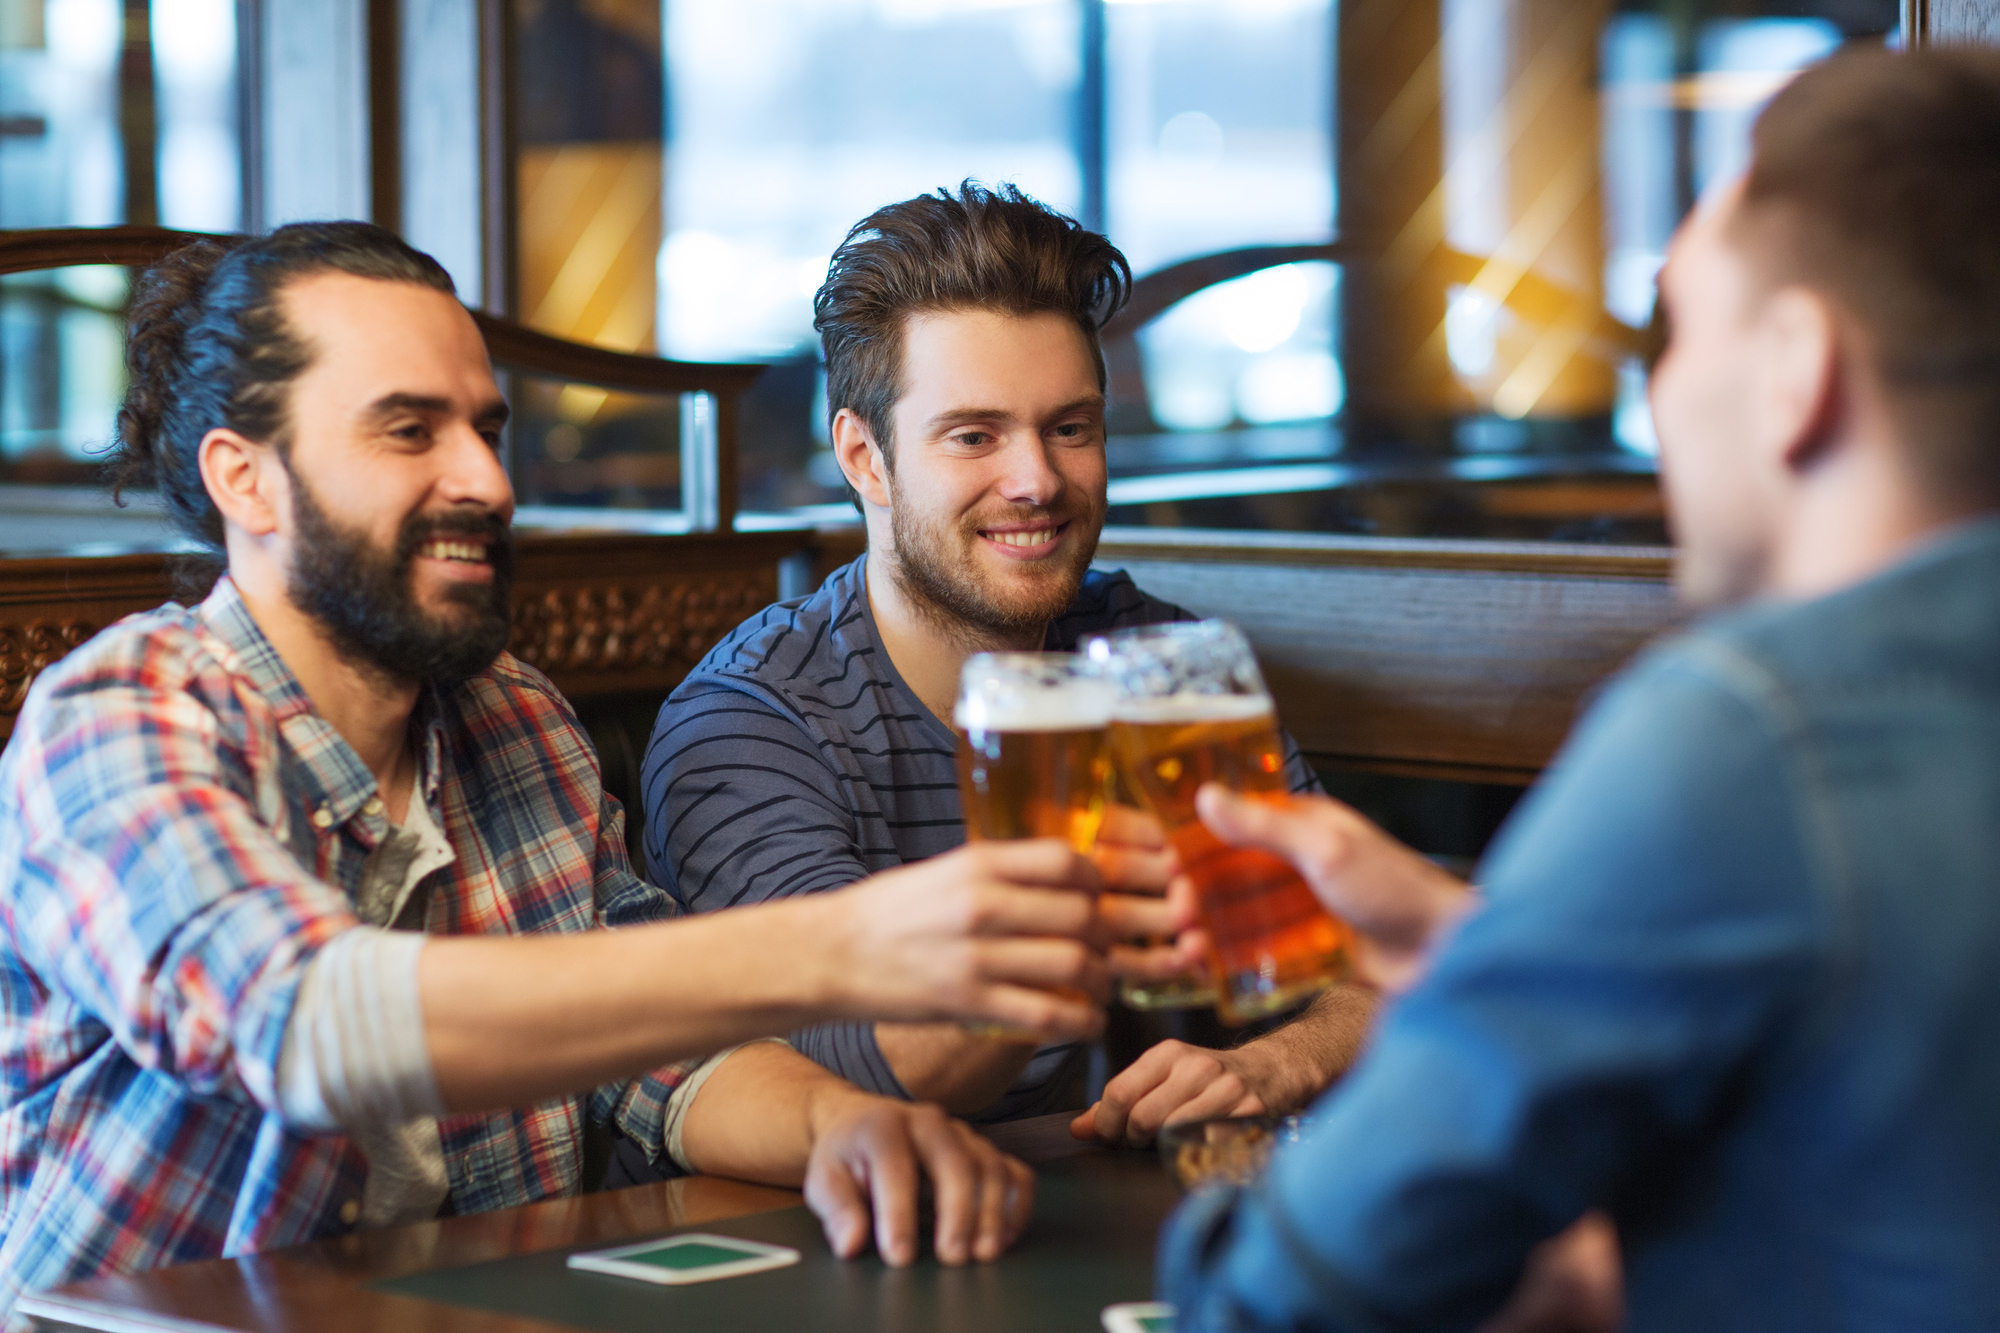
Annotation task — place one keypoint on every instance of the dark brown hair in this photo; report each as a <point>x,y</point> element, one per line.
<point>978,249</point>
<point>1875,180</point>
<point>207,346</point>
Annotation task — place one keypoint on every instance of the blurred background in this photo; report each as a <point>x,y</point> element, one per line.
<point>1397,257</point>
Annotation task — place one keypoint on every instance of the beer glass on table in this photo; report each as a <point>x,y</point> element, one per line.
<point>1034,757</point>
<point>1192,708</point>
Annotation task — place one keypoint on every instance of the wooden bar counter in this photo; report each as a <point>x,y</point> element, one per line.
<point>1090,1245</point>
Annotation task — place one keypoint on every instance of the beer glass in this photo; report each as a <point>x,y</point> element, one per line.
<point>1191,708</point>
<point>1034,759</point>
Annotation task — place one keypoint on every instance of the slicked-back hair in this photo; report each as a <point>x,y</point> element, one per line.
<point>976,249</point>
<point>207,347</point>
<point>1875,180</point>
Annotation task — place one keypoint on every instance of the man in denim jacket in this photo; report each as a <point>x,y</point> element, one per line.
<point>1733,975</point>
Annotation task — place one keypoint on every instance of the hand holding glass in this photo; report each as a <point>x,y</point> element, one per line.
<point>1191,708</point>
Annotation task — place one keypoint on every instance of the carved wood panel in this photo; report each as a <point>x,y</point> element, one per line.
<point>602,614</point>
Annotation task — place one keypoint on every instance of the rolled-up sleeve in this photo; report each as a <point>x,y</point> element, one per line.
<point>1651,919</point>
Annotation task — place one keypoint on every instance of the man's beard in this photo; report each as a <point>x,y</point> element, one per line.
<point>945,581</point>
<point>364,597</point>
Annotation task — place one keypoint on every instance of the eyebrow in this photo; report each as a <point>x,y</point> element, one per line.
<point>962,416</point>
<point>493,413</point>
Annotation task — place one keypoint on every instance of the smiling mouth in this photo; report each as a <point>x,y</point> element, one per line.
<point>471,553</point>
<point>1026,537</point>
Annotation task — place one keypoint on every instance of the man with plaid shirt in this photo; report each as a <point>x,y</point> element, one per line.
<point>301,888</point>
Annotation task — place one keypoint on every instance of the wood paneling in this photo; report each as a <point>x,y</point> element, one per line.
<point>1974,22</point>
<point>1442,659</point>
<point>604,614</point>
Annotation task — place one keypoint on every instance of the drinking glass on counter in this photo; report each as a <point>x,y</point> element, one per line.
<point>1191,707</point>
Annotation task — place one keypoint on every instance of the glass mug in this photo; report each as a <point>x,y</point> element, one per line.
<point>1034,756</point>
<point>1190,708</point>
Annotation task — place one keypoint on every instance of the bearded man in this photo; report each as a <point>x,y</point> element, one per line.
<point>965,388</point>
<point>302,887</point>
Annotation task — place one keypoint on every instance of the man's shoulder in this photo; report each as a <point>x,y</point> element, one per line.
<point>162,651</point>
<point>789,650</point>
<point>1109,600</point>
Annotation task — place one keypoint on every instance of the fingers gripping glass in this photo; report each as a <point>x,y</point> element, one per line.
<point>1190,708</point>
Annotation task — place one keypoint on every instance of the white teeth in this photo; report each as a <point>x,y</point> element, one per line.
<point>1032,538</point>
<point>467,551</point>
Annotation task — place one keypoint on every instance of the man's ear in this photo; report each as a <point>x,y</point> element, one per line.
<point>860,458</point>
<point>245,479</point>
<point>1801,394</point>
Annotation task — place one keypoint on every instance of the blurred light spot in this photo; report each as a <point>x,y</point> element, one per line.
<point>563,443</point>
<point>1289,386</point>
<point>1471,330</point>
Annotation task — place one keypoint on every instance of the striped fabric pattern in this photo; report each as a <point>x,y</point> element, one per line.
<point>180,833</point>
<point>795,759</point>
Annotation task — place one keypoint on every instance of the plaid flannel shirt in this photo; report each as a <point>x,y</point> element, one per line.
<point>179,835</point>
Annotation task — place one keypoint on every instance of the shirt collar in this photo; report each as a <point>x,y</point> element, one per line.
<point>337,785</point>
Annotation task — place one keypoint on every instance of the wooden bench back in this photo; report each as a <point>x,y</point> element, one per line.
<point>1449,659</point>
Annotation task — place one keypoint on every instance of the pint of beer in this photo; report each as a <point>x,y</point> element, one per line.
<point>1033,757</point>
<point>1192,708</point>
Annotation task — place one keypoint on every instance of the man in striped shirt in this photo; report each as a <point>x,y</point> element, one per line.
<point>302,888</point>
<point>810,748</point>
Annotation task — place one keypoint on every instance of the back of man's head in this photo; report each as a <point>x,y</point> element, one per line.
<point>1875,180</point>
<point>208,347</point>
<point>978,249</point>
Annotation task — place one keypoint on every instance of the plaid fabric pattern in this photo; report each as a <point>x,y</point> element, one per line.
<point>179,835</point>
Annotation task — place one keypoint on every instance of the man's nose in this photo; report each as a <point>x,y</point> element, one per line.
<point>1030,478</point>
<point>472,472</point>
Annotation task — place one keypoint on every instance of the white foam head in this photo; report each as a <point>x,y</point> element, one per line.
<point>1028,692</point>
<point>1191,707</point>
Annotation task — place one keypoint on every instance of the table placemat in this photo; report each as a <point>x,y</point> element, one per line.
<point>1090,1245</point>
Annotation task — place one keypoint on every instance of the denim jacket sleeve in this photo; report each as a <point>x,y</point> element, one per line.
<point>1650,922</point>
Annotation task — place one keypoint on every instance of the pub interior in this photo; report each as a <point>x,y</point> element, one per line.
<point>1377,389</point>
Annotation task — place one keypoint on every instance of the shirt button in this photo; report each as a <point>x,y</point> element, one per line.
<point>350,1212</point>
<point>322,818</point>
<point>373,807</point>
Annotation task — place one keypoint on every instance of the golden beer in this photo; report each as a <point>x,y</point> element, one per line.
<point>1034,755</point>
<point>1034,784</point>
<point>1273,943</point>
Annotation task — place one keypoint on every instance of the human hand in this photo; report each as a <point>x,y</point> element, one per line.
<point>1176,1081</point>
<point>985,933</point>
<point>870,1156</point>
<point>1144,906</point>
<point>1398,901</point>
<point>1132,852</point>
<point>1573,1284</point>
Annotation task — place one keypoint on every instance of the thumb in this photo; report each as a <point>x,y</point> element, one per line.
<point>1237,820</point>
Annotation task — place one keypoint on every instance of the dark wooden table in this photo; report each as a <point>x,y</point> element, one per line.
<point>1090,1245</point>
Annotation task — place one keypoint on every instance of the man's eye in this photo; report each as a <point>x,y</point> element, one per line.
<point>972,439</point>
<point>1074,430</point>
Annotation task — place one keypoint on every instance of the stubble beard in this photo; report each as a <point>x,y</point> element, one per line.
<point>937,570</point>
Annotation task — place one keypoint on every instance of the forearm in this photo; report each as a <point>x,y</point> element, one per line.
<point>947,1064</point>
<point>510,1021</point>
<point>755,1117</point>
<point>1297,1062</point>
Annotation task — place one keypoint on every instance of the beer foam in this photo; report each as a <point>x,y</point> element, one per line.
<point>1195,708</point>
<point>1080,705</point>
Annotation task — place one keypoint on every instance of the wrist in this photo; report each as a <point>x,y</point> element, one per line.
<point>818,961</point>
